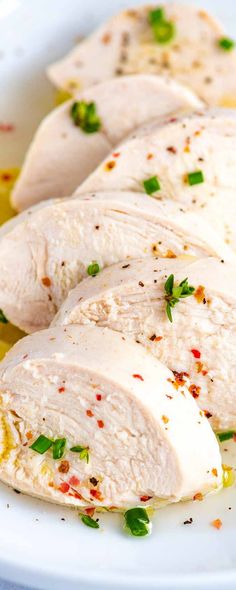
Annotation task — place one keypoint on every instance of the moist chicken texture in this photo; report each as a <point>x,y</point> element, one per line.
<point>126,44</point>
<point>199,346</point>
<point>47,252</point>
<point>146,441</point>
<point>202,142</point>
<point>62,155</point>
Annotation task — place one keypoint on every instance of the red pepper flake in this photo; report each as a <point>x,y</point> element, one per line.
<point>165,419</point>
<point>207,414</point>
<point>196,353</point>
<point>173,120</point>
<point>179,379</point>
<point>64,467</point>
<point>199,294</point>
<point>90,511</point>
<point>149,156</point>
<point>61,389</point>
<point>199,368</point>
<point>64,487</point>
<point>96,494</point>
<point>145,498</point>
<point>100,423</point>
<point>234,437</point>
<point>98,397</point>
<point>89,413</point>
<point>6,127</point>
<point>74,481</point>
<point>46,281</point>
<point>171,149</point>
<point>110,165</point>
<point>214,471</point>
<point>116,154</point>
<point>76,495</point>
<point>198,496</point>
<point>217,523</point>
<point>29,435</point>
<point>194,390</point>
<point>137,376</point>
<point>170,254</point>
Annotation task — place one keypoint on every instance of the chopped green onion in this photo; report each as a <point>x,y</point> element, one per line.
<point>41,444</point>
<point>93,269</point>
<point>164,31</point>
<point>85,116</point>
<point>175,292</point>
<point>222,436</point>
<point>151,185</point>
<point>83,452</point>
<point>195,177</point>
<point>89,521</point>
<point>3,318</point>
<point>58,448</point>
<point>156,15</point>
<point>137,522</point>
<point>226,43</point>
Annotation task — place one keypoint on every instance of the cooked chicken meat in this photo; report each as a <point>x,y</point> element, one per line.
<point>114,431</point>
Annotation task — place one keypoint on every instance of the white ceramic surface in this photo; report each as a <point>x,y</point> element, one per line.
<point>37,547</point>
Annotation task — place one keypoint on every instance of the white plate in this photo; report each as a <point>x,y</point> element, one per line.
<point>37,547</point>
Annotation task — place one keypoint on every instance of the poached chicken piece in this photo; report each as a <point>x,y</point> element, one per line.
<point>69,144</point>
<point>199,346</point>
<point>191,159</point>
<point>46,252</point>
<point>180,40</point>
<point>100,426</point>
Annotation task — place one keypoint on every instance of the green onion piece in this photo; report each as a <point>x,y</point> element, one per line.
<point>93,269</point>
<point>3,318</point>
<point>58,448</point>
<point>151,185</point>
<point>156,15</point>
<point>41,444</point>
<point>195,177</point>
<point>222,436</point>
<point>89,521</point>
<point>226,43</point>
<point>163,30</point>
<point>137,522</point>
<point>175,292</point>
<point>83,452</point>
<point>85,116</point>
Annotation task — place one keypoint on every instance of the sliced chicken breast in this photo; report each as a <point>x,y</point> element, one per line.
<point>91,389</point>
<point>192,159</point>
<point>200,344</point>
<point>47,252</point>
<point>62,154</point>
<point>176,39</point>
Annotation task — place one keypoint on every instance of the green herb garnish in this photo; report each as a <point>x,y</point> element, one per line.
<point>175,293</point>
<point>89,521</point>
<point>163,30</point>
<point>41,444</point>
<point>58,448</point>
<point>3,318</point>
<point>83,452</point>
<point>226,43</point>
<point>195,177</point>
<point>93,269</point>
<point>151,185</point>
<point>85,116</point>
<point>137,522</point>
<point>222,436</point>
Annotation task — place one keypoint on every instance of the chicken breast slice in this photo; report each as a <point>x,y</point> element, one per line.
<point>202,144</point>
<point>200,344</point>
<point>62,155</point>
<point>47,252</point>
<point>106,395</point>
<point>127,44</point>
